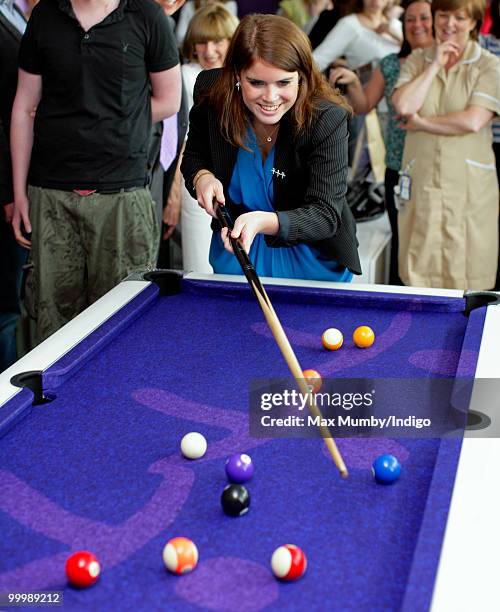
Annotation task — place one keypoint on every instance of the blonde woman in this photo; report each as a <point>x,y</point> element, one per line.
<point>188,11</point>
<point>205,47</point>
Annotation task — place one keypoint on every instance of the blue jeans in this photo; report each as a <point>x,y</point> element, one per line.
<point>12,259</point>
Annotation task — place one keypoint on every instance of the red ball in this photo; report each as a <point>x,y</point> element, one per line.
<point>82,569</point>
<point>288,562</point>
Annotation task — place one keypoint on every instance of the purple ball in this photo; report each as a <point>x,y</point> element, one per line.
<point>239,468</point>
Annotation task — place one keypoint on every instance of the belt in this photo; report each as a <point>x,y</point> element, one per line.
<point>86,192</point>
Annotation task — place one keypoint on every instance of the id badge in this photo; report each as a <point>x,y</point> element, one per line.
<point>405,186</point>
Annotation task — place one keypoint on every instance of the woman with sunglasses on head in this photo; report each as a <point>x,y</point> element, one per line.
<point>268,137</point>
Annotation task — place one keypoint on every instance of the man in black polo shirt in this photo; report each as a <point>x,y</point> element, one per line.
<point>99,72</point>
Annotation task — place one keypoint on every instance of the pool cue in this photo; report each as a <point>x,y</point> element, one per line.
<point>279,334</point>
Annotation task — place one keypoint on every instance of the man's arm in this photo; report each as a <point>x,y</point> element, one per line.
<point>29,92</point>
<point>166,93</point>
<point>6,196</point>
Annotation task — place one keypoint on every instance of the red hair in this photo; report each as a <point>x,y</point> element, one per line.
<point>276,41</point>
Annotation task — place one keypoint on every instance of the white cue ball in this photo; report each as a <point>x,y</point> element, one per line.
<point>193,445</point>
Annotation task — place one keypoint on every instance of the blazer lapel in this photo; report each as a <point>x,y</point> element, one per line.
<point>283,163</point>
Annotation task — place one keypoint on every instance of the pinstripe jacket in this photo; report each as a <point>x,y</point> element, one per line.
<point>309,184</point>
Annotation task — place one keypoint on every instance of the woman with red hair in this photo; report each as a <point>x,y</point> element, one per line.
<point>268,137</point>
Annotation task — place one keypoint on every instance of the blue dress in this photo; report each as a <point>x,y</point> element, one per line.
<point>252,185</point>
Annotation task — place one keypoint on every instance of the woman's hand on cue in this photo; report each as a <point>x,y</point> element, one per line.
<point>209,187</point>
<point>248,225</point>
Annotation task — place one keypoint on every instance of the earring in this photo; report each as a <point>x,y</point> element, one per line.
<point>238,85</point>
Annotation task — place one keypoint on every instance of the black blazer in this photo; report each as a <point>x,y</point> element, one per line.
<point>10,39</point>
<point>309,191</point>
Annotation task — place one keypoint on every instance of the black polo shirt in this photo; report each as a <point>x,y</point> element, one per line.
<point>93,123</point>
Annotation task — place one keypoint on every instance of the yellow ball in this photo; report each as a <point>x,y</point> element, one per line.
<point>332,339</point>
<point>363,336</point>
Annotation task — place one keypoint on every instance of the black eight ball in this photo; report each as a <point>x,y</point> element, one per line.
<point>235,500</point>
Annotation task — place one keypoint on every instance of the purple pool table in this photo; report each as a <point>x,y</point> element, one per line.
<point>94,463</point>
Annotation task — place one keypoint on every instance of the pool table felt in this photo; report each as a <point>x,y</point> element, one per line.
<point>100,466</point>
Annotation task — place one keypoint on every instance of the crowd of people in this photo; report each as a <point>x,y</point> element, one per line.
<point>123,123</point>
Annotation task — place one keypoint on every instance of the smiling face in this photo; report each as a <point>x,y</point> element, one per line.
<point>418,25</point>
<point>268,92</point>
<point>454,26</point>
<point>211,54</point>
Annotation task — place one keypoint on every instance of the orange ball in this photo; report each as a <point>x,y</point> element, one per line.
<point>180,555</point>
<point>363,336</point>
<point>313,379</point>
<point>332,339</point>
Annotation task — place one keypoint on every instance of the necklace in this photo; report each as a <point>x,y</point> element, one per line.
<point>269,136</point>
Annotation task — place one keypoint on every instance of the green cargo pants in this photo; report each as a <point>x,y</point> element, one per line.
<point>82,246</point>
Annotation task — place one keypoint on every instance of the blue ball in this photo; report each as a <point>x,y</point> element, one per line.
<point>386,469</point>
<point>239,468</point>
